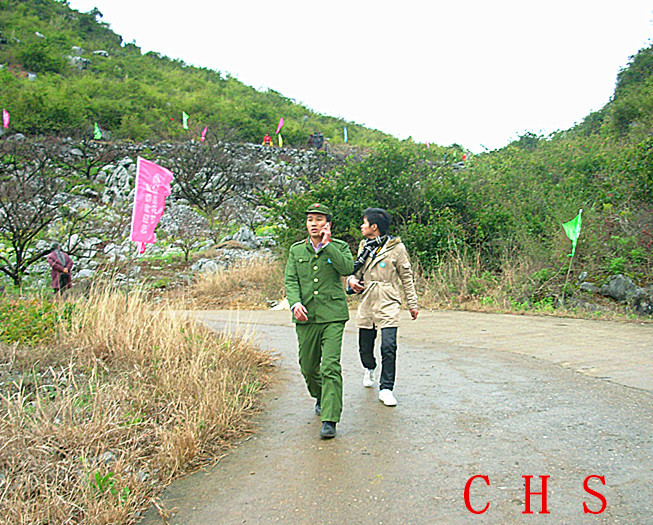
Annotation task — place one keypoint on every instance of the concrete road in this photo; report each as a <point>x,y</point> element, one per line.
<point>478,394</point>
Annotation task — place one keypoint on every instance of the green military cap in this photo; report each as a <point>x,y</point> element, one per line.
<point>319,208</point>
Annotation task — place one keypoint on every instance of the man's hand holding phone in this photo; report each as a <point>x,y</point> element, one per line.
<point>326,233</point>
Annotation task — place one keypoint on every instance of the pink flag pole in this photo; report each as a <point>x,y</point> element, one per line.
<point>203,134</point>
<point>152,188</point>
<point>5,118</point>
<point>281,123</point>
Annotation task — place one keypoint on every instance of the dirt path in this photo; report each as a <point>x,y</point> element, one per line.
<point>479,394</point>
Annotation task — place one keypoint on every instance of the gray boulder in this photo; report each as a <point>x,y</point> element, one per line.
<point>79,62</point>
<point>85,273</point>
<point>207,266</point>
<point>246,237</point>
<point>589,287</point>
<point>620,288</point>
<point>643,301</point>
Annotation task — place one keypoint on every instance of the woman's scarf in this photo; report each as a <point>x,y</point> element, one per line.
<point>371,245</point>
<point>60,256</point>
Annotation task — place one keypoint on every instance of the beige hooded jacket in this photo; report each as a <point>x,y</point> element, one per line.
<point>381,300</point>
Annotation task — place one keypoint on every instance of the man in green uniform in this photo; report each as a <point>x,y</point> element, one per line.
<point>319,306</point>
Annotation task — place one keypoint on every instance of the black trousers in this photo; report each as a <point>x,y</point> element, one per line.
<point>366,337</point>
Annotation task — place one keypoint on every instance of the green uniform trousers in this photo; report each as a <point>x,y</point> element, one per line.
<point>320,345</point>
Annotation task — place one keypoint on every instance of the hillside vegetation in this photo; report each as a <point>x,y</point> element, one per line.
<point>483,229</point>
<point>499,215</point>
<point>85,73</point>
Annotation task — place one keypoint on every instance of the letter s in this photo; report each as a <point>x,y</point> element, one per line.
<point>598,495</point>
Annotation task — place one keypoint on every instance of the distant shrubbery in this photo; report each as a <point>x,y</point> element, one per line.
<point>504,208</point>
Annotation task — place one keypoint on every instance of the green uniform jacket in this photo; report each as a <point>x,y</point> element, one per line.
<point>313,279</point>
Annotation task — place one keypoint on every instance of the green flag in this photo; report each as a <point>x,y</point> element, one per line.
<point>572,229</point>
<point>185,117</point>
<point>97,134</point>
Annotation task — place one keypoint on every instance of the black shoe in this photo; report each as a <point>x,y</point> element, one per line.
<point>328,430</point>
<point>318,408</point>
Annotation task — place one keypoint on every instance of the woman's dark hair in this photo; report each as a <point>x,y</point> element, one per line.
<point>380,217</point>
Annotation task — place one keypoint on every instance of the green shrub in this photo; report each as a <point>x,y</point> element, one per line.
<point>617,265</point>
<point>30,322</point>
<point>41,58</point>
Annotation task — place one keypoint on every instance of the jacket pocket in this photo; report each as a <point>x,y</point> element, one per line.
<point>302,264</point>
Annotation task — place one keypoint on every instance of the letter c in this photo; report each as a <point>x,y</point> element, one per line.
<point>467,486</point>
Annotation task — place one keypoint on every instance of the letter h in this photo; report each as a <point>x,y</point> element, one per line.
<point>528,494</point>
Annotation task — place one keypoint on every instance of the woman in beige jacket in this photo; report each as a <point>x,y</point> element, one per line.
<point>381,266</point>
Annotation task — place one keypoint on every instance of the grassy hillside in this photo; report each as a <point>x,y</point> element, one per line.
<point>131,95</point>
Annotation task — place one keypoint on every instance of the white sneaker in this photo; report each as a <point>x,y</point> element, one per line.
<point>387,398</point>
<point>368,378</point>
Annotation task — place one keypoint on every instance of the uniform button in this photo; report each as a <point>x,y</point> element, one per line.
<point>315,280</point>
<point>315,267</point>
<point>316,292</point>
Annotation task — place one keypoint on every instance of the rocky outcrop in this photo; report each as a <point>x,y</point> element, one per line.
<point>107,188</point>
<point>622,288</point>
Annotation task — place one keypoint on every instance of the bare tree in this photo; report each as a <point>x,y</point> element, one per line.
<point>86,157</point>
<point>185,226</point>
<point>31,198</point>
<point>206,176</point>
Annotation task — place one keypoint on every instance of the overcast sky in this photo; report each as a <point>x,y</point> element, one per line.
<point>478,73</point>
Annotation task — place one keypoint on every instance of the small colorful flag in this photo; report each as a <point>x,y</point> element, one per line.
<point>97,133</point>
<point>184,115</point>
<point>572,229</point>
<point>203,137</point>
<point>5,118</point>
<point>280,141</point>
<point>281,123</point>
<point>346,136</point>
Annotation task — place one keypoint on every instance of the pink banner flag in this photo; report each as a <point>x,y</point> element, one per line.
<point>281,123</point>
<point>152,188</point>
<point>5,118</point>
<point>203,137</point>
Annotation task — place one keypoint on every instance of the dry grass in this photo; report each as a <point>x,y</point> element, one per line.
<point>130,397</point>
<point>461,282</point>
<point>247,285</point>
